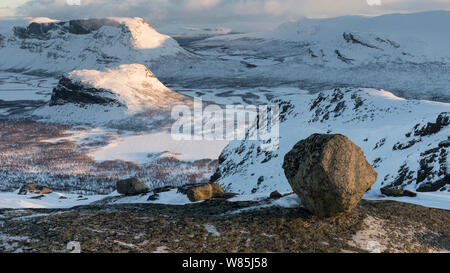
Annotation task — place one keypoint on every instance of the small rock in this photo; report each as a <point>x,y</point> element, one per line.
<point>33,188</point>
<point>131,186</point>
<point>388,191</point>
<point>229,195</point>
<point>39,197</point>
<point>205,192</point>
<point>164,189</point>
<point>329,173</point>
<point>276,195</point>
<point>153,197</point>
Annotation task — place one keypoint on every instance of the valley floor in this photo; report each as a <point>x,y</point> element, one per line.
<point>213,226</point>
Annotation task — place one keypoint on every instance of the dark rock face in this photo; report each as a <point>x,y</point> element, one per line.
<point>430,128</point>
<point>33,188</point>
<point>350,38</point>
<point>89,25</point>
<point>393,192</point>
<point>444,144</point>
<point>68,91</point>
<point>131,186</point>
<point>342,57</point>
<point>43,31</point>
<point>433,172</point>
<point>435,186</point>
<point>216,176</point>
<point>329,173</point>
<point>442,121</point>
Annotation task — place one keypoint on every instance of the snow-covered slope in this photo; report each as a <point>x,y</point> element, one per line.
<point>44,45</point>
<point>405,53</point>
<point>407,141</point>
<point>92,96</point>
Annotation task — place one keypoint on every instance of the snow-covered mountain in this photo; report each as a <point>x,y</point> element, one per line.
<point>93,96</point>
<point>407,141</point>
<point>404,53</point>
<point>49,46</point>
<point>357,40</point>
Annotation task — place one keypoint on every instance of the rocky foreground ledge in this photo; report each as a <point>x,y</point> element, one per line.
<point>223,226</point>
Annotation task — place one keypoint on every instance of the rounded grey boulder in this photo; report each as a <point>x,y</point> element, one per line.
<point>329,173</point>
<point>131,186</point>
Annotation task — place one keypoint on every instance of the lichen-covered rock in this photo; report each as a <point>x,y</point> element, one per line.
<point>131,186</point>
<point>329,173</point>
<point>205,192</point>
<point>33,188</point>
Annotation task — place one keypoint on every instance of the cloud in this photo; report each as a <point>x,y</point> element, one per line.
<point>245,14</point>
<point>201,4</point>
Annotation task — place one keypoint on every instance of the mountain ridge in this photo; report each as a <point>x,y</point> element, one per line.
<point>82,44</point>
<point>404,53</point>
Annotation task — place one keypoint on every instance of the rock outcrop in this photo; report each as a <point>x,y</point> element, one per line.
<point>205,192</point>
<point>68,91</point>
<point>329,173</point>
<point>78,27</point>
<point>33,188</point>
<point>131,186</point>
<point>393,192</point>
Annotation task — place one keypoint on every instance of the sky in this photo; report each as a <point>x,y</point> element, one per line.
<point>240,15</point>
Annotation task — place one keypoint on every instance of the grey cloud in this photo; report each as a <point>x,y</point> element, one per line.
<point>240,14</point>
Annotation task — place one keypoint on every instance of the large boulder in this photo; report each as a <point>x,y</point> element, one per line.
<point>205,192</point>
<point>329,173</point>
<point>131,186</point>
<point>33,188</point>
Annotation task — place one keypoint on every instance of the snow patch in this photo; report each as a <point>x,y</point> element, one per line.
<point>138,148</point>
<point>11,200</point>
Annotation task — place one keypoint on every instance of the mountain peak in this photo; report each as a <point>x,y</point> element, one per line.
<point>82,44</point>
<point>133,86</point>
<point>97,97</point>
